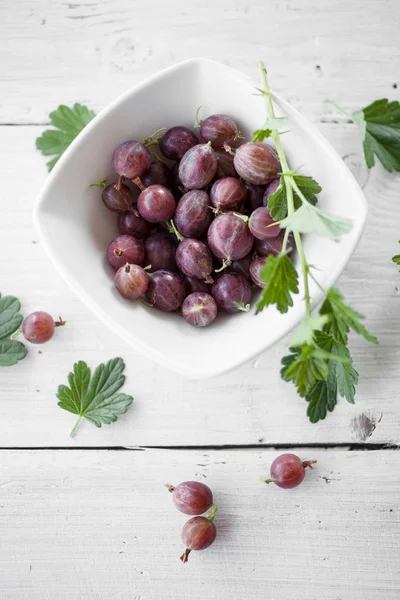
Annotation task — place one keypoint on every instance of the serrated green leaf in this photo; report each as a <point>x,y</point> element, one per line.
<point>380,130</point>
<point>304,333</point>
<point>11,352</point>
<point>321,399</point>
<point>309,219</point>
<point>346,375</point>
<point>277,202</point>
<point>95,398</point>
<point>10,318</point>
<point>281,281</point>
<point>304,368</point>
<point>342,318</point>
<point>259,135</point>
<point>68,122</point>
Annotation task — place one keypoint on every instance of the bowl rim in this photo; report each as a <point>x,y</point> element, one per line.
<point>151,351</point>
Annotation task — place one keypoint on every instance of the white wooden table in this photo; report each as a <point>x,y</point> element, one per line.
<point>87,519</point>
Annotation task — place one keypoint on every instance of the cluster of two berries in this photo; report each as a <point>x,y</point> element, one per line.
<point>195,498</point>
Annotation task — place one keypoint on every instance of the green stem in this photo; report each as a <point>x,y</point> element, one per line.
<point>211,515</point>
<point>71,435</point>
<point>268,480</point>
<point>289,185</point>
<point>173,229</point>
<point>197,121</point>
<point>338,107</point>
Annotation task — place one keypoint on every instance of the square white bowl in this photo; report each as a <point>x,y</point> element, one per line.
<point>75,227</point>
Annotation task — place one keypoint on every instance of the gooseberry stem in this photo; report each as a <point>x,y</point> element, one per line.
<point>173,229</point>
<point>75,427</point>
<point>290,185</point>
<point>213,511</point>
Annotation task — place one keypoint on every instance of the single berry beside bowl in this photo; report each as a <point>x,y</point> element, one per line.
<point>39,326</point>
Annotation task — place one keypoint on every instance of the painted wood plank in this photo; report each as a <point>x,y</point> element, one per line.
<point>100,526</point>
<point>249,406</point>
<point>92,51</point>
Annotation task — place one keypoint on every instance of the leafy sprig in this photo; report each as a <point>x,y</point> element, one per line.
<point>95,397</point>
<point>319,364</point>
<point>379,125</point>
<point>11,351</point>
<point>67,123</point>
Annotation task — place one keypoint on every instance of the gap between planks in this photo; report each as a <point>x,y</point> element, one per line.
<point>335,447</point>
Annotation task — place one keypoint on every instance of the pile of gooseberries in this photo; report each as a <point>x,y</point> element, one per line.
<point>194,227</point>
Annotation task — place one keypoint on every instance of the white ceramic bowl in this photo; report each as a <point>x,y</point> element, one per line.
<point>75,227</point>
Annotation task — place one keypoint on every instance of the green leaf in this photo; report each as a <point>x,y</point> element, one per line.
<point>359,120</point>
<point>380,130</point>
<point>342,318</point>
<point>10,318</point>
<point>281,280</point>
<point>346,375</point>
<point>277,202</point>
<point>275,123</point>
<point>68,122</point>
<point>304,368</point>
<point>304,333</point>
<point>309,219</point>
<point>321,399</point>
<point>95,398</point>
<point>396,259</point>
<point>11,351</point>
<point>259,135</point>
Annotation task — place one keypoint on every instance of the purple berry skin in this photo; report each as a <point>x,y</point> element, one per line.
<point>160,251</point>
<point>256,266</point>
<point>257,163</point>
<point>219,130</point>
<point>193,214</point>
<point>199,309</point>
<point>125,249</point>
<point>117,197</point>
<point>131,159</point>
<point>157,173</point>
<point>261,224</point>
<point>228,193</point>
<point>198,167</point>
<point>229,237</point>
<point>225,166</point>
<point>131,223</point>
<point>231,289</point>
<point>273,245</point>
<point>166,291</point>
<point>270,189</point>
<point>156,204</point>
<point>176,142</point>
<point>194,259</point>
<point>255,196</point>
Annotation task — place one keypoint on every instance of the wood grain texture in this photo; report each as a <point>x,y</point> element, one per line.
<point>92,51</point>
<point>249,406</point>
<point>98,525</point>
